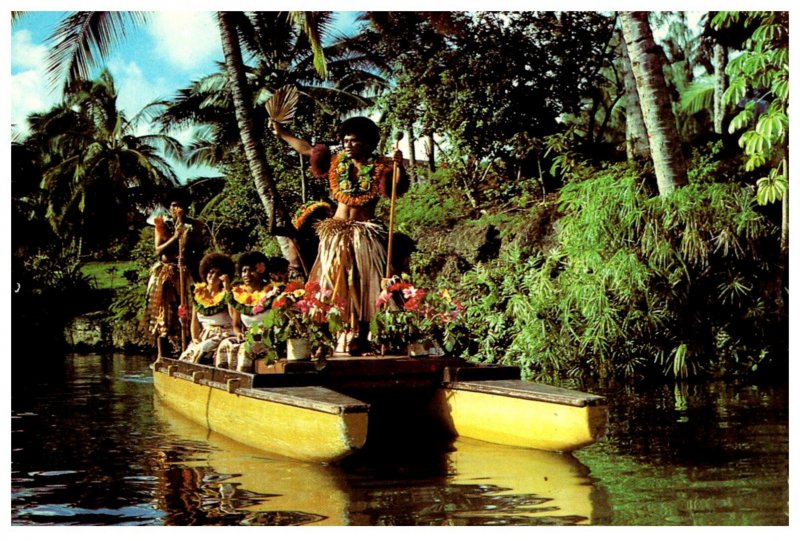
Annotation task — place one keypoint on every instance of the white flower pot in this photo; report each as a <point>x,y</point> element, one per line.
<point>298,349</point>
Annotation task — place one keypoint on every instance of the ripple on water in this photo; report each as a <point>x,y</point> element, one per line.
<point>69,515</point>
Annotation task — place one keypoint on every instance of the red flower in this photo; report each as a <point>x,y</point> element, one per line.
<point>183,313</point>
<point>293,286</point>
<point>280,302</point>
<point>312,288</point>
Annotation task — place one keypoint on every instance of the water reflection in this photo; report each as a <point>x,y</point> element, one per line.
<point>533,486</point>
<point>465,483</point>
<point>225,481</point>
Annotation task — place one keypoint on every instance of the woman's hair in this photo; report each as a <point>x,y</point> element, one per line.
<point>249,259</point>
<point>277,264</point>
<point>363,128</point>
<point>177,195</point>
<point>218,261</point>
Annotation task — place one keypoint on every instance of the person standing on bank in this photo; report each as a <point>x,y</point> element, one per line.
<point>352,246</point>
<point>178,246</point>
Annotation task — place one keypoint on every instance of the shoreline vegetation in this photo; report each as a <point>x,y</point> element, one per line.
<point>614,214</point>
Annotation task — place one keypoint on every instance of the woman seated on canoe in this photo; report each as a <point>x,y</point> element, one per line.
<point>211,321</point>
<point>246,308</point>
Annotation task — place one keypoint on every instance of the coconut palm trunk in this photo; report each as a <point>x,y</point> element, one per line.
<point>250,133</point>
<point>662,130</point>
<point>636,145</point>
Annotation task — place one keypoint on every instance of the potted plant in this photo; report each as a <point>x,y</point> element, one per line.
<point>305,318</point>
<point>412,319</point>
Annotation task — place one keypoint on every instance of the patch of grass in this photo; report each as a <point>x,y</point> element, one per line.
<point>107,274</point>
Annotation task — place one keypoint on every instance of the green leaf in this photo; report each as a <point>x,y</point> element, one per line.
<point>753,142</point>
<point>755,161</point>
<point>771,188</point>
<point>780,87</point>
<point>735,92</point>
<point>741,120</point>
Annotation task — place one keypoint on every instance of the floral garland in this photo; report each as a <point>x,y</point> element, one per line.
<point>207,304</point>
<point>357,194</point>
<point>244,301</point>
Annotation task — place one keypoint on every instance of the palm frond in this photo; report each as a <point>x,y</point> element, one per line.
<point>282,106</point>
<point>83,39</point>
<point>698,96</point>
<point>314,24</point>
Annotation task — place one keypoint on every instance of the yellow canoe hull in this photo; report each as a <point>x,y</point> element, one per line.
<point>265,420</point>
<point>520,421</point>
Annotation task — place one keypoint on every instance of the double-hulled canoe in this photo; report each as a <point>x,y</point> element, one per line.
<point>324,411</point>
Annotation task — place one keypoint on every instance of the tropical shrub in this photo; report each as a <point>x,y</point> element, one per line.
<point>638,284</point>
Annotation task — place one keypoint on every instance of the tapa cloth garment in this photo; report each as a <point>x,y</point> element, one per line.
<point>163,298</point>
<point>351,262</point>
<point>235,354</point>
<point>214,329</point>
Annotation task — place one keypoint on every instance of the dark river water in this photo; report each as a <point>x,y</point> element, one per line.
<point>91,446</point>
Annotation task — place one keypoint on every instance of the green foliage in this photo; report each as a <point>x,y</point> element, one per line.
<point>760,86</point>
<point>129,301</point>
<point>50,289</point>
<point>637,284</point>
<point>427,205</point>
<point>494,78</point>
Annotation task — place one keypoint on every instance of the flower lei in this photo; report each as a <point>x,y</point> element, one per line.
<point>244,301</point>
<point>360,192</point>
<point>207,304</point>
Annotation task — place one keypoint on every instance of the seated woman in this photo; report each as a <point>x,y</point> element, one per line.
<point>211,320</point>
<point>247,302</point>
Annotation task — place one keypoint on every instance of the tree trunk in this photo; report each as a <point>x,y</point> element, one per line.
<point>412,155</point>
<point>431,153</point>
<point>249,132</point>
<point>636,145</point>
<point>720,83</point>
<point>662,130</point>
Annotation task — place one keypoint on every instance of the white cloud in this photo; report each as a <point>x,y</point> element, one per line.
<point>26,54</point>
<point>186,39</point>
<point>135,89</point>
<point>30,89</point>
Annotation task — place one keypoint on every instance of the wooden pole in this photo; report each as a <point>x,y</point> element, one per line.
<point>182,280</point>
<point>395,180</point>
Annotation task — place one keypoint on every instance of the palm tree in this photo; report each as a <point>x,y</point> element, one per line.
<point>83,38</point>
<point>97,165</point>
<point>207,102</point>
<point>668,160</point>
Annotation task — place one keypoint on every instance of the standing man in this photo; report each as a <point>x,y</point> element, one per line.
<point>179,247</point>
<point>352,246</point>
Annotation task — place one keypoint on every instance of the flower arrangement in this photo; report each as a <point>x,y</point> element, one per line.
<point>301,312</point>
<point>409,314</point>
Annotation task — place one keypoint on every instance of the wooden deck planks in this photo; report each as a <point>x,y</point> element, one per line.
<point>530,391</point>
